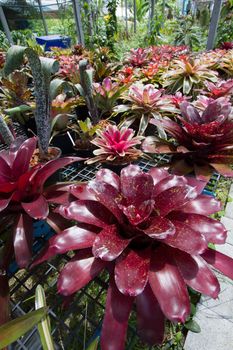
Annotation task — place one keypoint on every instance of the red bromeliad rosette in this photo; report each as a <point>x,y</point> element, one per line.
<point>151,231</point>
<point>24,197</point>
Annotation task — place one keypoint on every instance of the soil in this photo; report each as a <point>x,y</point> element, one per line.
<point>53,153</point>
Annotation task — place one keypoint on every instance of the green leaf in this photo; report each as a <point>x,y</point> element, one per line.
<point>56,87</point>
<point>14,59</point>
<point>11,331</point>
<point>94,344</point>
<point>44,325</point>
<point>18,109</point>
<point>193,326</point>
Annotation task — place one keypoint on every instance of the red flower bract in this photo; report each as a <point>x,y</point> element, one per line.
<point>150,230</point>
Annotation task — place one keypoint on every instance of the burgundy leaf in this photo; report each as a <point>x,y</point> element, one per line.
<point>203,173</point>
<point>37,209</point>
<point>107,195</point>
<point>78,272</point>
<point>159,228</point>
<point>136,186</point>
<point>72,238</point>
<point>5,171</point>
<point>203,204</point>
<point>108,176</point>
<point>190,113</point>
<point>5,201</point>
<point>199,185</point>
<point>174,198</point>
<point>81,191</point>
<point>108,244</point>
<point>117,311</point>
<point>213,230</point>
<point>168,182</point>
<point>168,286</point>
<point>87,211</point>
<point>58,194</point>
<point>23,240</point>
<point>187,239</point>
<point>4,300</point>
<point>150,319</point>
<point>23,157</point>
<point>50,168</point>
<point>138,213</point>
<point>223,169</point>
<point>219,261</point>
<point>197,274</point>
<point>57,222</point>
<point>131,271</point>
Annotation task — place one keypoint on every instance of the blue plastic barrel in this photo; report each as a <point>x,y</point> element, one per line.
<point>54,41</point>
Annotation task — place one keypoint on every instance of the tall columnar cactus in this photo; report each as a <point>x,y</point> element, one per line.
<point>5,132</point>
<point>41,68</point>
<point>86,78</point>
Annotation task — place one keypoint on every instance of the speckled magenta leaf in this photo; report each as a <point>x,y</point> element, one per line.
<point>159,228</point>
<point>72,238</point>
<point>219,261</point>
<point>187,239</point>
<point>37,209</point>
<point>108,244</point>
<point>199,185</point>
<point>203,204</point>
<point>150,319</point>
<point>80,191</point>
<point>158,174</point>
<point>173,198</point>
<point>168,286</point>
<point>78,272</point>
<point>138,214</point>
<point>117,311</point>
<point>108,176</point>
<point>131,271</point>
<point>136,188</point>
<point>107,195</point>
<point>22,240</point>
<point>197,274</point>
<point>87,211</point>
<point>213,230</point>
<point>23,157</point>
<point>168,182</point>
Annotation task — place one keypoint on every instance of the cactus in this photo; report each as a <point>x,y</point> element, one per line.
<point>86,78</point>
<point>5,132</point>
<point>41,68</point>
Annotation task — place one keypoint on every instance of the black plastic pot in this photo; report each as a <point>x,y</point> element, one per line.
<point>82,112</point>
<point>30,127</point>
<point>63,142</point>
<point>85,153</point>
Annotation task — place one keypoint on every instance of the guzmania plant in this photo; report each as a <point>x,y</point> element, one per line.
<point>115,145</point>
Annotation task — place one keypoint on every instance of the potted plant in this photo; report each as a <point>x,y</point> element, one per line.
<point>151,232</point>
<point>41,68</point>
<point>202,140</point>
<point>115,147</point>
<point>25,197</point>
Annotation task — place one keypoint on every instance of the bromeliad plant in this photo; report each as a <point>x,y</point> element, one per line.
<point>115,145</point>
<point>151,232</point>
<point>222,88</point>
<point>186,74</point>
<point>106,94</point>
<point>145,102</point>
<point>23,196</point>
<point>203,140</point>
